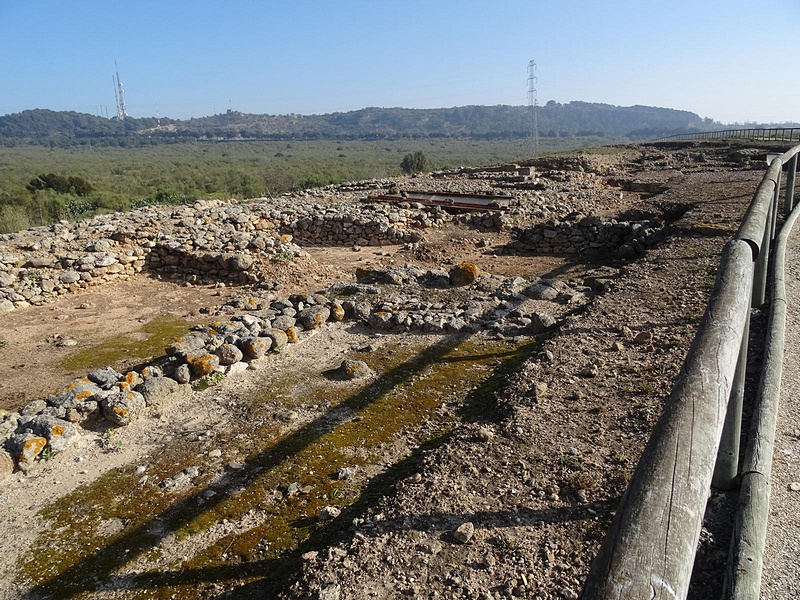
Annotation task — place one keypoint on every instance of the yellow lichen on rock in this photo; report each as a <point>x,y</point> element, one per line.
<point>202,364</point>
<point>337,311</point>
<point>464,273</point>
<point>32,447</point>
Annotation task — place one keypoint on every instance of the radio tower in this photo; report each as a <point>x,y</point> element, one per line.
<point>533,108</point>
<point>119,95</point>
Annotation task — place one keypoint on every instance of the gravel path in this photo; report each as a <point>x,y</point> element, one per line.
<point>781,577</point>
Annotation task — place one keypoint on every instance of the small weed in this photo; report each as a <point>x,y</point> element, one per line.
<point>3,343</point>
<point>283,255</point>
<point>109,441</point>
<point>619,458</point>
<point>581,481</point>
<point>47,453</point>
<point>33,275</point>
<point>573,461</point>
<point>209,380</point>
<point>651,411</point>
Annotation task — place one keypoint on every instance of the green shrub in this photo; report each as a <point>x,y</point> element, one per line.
<point>414,163</point>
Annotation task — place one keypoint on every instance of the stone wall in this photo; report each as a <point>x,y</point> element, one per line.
<point>226,347</point>
<point>589,236</point>
<point>211,239</point>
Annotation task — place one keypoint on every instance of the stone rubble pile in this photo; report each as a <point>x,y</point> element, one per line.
<point>506,306</point>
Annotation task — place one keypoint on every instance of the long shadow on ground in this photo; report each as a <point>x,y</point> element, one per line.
<point>97,570</point>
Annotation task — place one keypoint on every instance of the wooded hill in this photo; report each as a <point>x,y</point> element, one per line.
<point>573,119</point>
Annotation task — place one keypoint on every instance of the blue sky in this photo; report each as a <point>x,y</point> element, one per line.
<point>730,60</point>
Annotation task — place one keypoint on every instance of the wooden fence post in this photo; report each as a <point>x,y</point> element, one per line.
<point>788,204</point>
<point>727,468</point>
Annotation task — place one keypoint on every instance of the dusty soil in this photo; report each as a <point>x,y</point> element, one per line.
<point>104,315</point>
<point>530,441</point>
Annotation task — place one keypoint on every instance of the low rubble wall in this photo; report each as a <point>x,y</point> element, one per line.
<point>589,235</point>
<point>217,240</point>
<point>510,307</point>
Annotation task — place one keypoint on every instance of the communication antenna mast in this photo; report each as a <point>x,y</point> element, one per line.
<point>116,96</point>
<point>119,95</point>
<point>533,108</point>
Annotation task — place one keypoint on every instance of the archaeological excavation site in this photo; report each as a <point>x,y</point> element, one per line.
<point>433,386</point>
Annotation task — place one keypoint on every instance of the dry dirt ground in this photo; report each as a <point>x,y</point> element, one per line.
<point>479,467</point>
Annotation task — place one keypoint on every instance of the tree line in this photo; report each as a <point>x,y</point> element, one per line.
<point>573,119</point>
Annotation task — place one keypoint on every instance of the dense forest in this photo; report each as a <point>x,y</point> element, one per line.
<point>581,119</point>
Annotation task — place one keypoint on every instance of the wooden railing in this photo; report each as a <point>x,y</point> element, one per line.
<point>649,550</point>
<point>780,134</point>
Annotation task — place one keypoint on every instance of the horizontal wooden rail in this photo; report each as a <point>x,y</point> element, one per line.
<point>780,134</point>
<point>657,526</point>
<point>745,563</point>
<point>649,549</point>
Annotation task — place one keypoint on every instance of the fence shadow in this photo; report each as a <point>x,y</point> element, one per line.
<point>97,569</point>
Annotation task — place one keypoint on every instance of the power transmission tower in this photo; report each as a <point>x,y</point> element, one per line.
<point>533,109</point>
<point>119,95</point>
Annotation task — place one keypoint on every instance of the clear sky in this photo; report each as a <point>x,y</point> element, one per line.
<point>732,60</point>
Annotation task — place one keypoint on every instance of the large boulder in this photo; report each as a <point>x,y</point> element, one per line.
<point>255,347</point>
<point>541,291</point>
<point>202,364</point>
<point>6,465</point>
<point>123,407</point>
<point>278,337</point>
<point>463,274</point>
<point>337,311</point>
<point>352,369</point>
<point>75,394</point>
<point>9,421</point>
<point>228,354</point>
<point>158,390</point>
<point>105,378</point>
<point>313,317</point>
<point>60,434</point>
<point>25,449</point>
<point>187,344</point>
<point>283,322</point>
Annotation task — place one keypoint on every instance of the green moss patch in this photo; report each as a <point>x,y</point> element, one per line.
<point>421,392</point>
<point>129,348</point>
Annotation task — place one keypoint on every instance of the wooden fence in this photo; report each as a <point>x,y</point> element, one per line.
<point>780,134</point>
<point>649,550</point>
